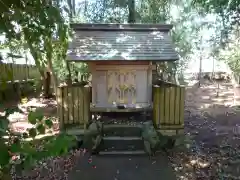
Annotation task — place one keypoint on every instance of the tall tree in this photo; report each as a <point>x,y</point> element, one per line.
<point>41,27</point>
<point>228,12</point>
<point>131,11</point>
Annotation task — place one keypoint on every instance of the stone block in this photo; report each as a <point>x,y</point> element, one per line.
<point>168,132</point>
<point>180,131</point>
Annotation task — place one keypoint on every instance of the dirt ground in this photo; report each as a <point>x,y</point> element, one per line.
<point>18,119</point>
<point>212,122</point>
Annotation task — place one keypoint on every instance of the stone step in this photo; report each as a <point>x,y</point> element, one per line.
<point>123,115</point>
<point>115,143</point>
<point>119,138</point>
<point>74,131</point>
<point>133,129</point>
<point>139,152</point>
<point>122,130</point>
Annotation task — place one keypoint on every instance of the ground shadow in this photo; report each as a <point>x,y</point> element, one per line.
<point>213,123</point>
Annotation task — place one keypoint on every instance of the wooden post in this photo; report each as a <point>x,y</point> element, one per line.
<point>69,80</point>
<point>168,108</point>
<point>60,107</point>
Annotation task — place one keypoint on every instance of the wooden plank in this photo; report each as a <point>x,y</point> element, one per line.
<point>78,106</point>
<point>158,106</point>
<point>80,110</point>
<point>2,71</point>
<point>11,72</point>
<point>13,69</point>
<point>172,105</point>
<point>28,75</point>
<point>70,104</point>
<point>19,72</point>
<point>75,100</point>
<point>10,75</point>
<point>60,107</point>
<point>177,104</point>
<point>181,108</point>
<point>86,105</point>
<point>23,72</point>
<point>6,74</point>
<point>16,72</point>
<point>65,100</point>
<point>155,106</point>
<point>161,105</point>
<point>166,105</point>
<point>17,75</point>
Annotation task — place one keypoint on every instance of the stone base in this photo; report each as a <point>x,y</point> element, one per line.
<point>171,132</point>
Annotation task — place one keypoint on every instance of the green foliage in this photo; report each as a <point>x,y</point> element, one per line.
<point>15,151</point>
<point>60,144</point>
<point>32,132</point>
<point>217,6</point>
<point>4,122</point>
<point>41,31</point>
<point>5,157</point>
<point>41,128</point>
<point>231,54</point>
<point>228,17</point>
<point>35,116</point>
<point>48,123</point>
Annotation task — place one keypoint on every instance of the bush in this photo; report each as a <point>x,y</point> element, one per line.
<point>19,153</point>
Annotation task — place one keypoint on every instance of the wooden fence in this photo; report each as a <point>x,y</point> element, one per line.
<point>18,72</point>
<point>73,106</point>
<point>17,90</point>
<point>168,107</point>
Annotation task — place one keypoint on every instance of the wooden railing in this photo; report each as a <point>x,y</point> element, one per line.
<point>18,72</point>
<point>73,106</point>
<point>168,107</point>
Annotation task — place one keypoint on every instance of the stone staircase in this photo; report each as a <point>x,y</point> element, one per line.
<point>119,139</point>
<point>122,139</point>
<point>122,133</point>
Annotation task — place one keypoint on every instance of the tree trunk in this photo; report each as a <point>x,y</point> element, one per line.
<point>131,11</point>
<point>47,85</point>
<point>69,77</point>
<point>54,76</point>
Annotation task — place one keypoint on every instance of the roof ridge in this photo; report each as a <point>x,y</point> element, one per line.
<point>121,27</point>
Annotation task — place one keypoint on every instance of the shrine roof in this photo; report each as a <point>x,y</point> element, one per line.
<point>112,42</point>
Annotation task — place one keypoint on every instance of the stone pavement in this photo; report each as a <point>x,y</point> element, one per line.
<point>123,167</point>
